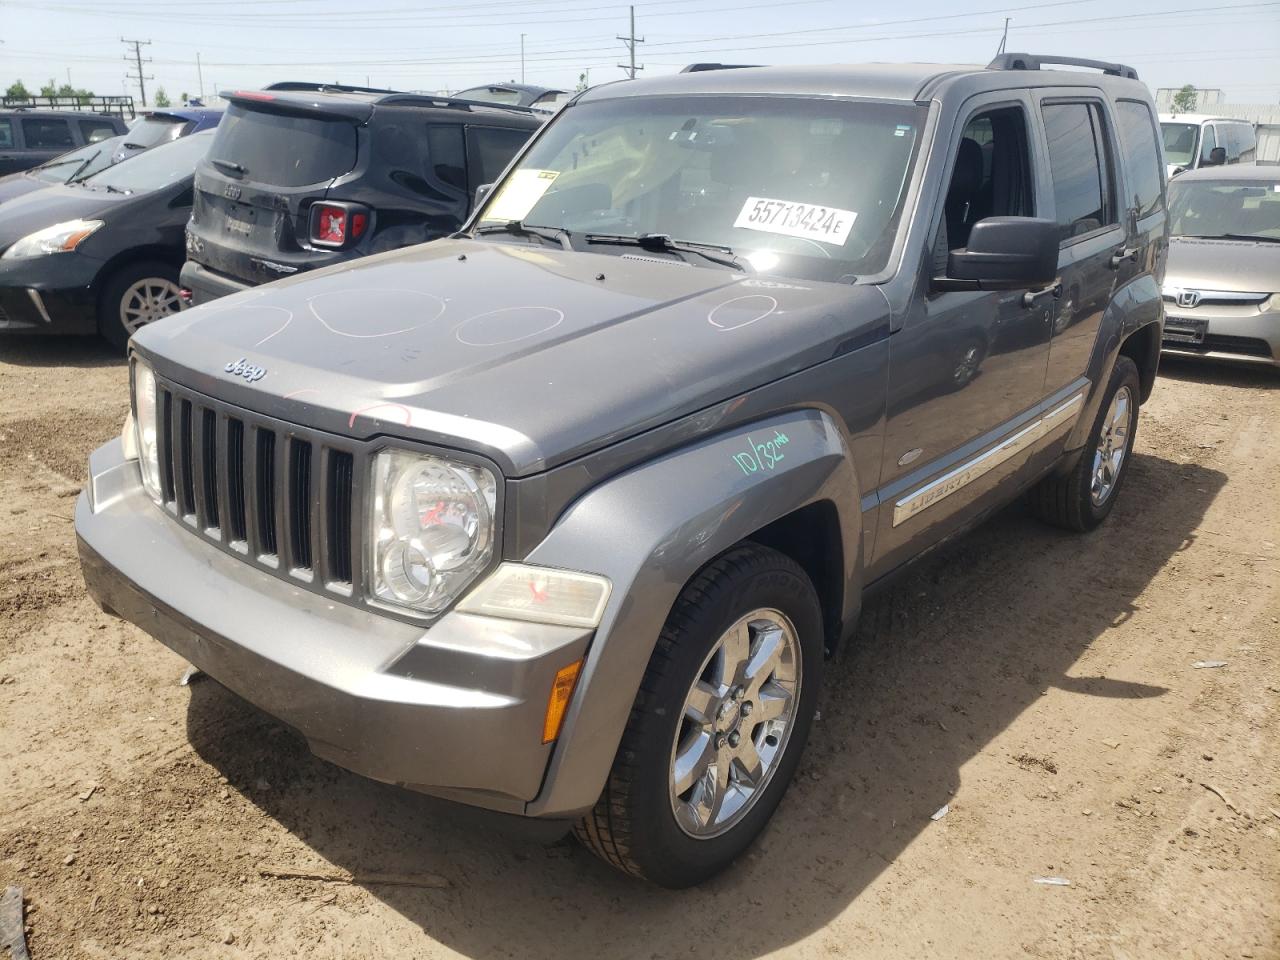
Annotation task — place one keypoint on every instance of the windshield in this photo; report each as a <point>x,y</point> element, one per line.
<point>154,168</point>
<point>808,188</point>
<point>86,161</point>
<point>1215,208</point>
<point>1179,142</point>
<point>155,128</point>
<point>503,95</point>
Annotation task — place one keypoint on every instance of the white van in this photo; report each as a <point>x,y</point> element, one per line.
<point>1193,140</point>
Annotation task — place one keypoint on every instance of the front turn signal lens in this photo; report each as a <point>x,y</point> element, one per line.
<point>561,692</point>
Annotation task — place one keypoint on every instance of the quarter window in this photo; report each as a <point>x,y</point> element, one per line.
<point>47,134</point>
<point>96,130</point>
<point>6,135</point>
<point>1077,160</point>
<point>1138,135</point>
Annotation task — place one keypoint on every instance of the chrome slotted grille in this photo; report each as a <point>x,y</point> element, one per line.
<point>278,496</point>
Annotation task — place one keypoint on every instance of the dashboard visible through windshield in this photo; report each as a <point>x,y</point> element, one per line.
<point>803,187</point>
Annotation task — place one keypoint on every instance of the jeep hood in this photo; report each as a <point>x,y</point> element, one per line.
<point>529,355</point>
<point>1241,266</point>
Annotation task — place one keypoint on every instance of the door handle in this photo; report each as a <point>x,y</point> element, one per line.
<point>1032,297</point>
<point>1123,254</point>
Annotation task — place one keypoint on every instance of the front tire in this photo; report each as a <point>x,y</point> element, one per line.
<point>1083,498</point>
<point>718,725</point>
<point>135,295</point>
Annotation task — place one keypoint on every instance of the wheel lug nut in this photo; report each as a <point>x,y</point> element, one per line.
<point>746,709</point>
<point>733,739</point>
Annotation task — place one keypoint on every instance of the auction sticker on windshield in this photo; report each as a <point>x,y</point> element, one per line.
<point>809,221</point>
<point>522,190</point>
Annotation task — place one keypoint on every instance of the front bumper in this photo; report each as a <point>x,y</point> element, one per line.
<point>1244,333</point>
<point>53,294</point>
<point>455,710</point>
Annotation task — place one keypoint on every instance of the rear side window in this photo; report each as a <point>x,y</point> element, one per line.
<point>47,134</point>
<point>6,135</point>
<point>490,150</point>
<point>1138,137</point>
<point>285,149</point>
<point>447,161</point>
<point>94,131</point>
<point>1077,161</point>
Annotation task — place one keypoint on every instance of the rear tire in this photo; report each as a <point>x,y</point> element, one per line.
<point>710,747</point>
<point>137,294</point>
<point>1082,499</point>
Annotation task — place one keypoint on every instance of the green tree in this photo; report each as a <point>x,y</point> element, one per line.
<point>50,89</point>
<point>582,83</point>
<point>186,97</point>
<point>1184,101</point>
<point>162,98</point>
<point>16,89</point>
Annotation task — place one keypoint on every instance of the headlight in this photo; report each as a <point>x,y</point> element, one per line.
<point>60,238</point>
<point>432,528</point>
<point>147,427</point>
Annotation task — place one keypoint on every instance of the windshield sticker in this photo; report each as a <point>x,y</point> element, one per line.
<point>762,456</point>
<point>522,190</point>
<point>808,221</point>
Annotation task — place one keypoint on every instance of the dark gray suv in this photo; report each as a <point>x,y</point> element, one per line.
<point>562,516</point>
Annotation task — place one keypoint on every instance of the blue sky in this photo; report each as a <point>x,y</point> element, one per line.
<point>448,44</point>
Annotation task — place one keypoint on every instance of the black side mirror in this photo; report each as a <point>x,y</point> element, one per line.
<point>1217,156</point>
<point>1004,253</point>
<point>482,191</point>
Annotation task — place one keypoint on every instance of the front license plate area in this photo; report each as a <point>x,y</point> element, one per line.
<point>1184,330</point>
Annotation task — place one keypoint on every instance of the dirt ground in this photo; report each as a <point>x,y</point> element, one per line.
<point>1042,685</point>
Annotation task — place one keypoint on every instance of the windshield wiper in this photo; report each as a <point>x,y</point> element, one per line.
<point>80,169</point>
<point>1239,236</point>
<point>229,165</point>
<point>519,228</point>
<point>661,242</point>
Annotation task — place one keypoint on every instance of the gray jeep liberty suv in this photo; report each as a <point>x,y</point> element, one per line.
<point>559,516</point>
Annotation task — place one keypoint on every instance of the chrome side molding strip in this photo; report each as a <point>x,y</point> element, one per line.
<point>960,477</point>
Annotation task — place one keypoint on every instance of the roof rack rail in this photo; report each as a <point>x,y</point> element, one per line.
<point>457,103</point>
<point>319,87</point>
<point>1034,61</point>
<point>703,67</point>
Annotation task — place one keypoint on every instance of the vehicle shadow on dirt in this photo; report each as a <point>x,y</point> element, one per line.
<point>1220,374</point>
<point>23,351</point>
<point>946,661</point>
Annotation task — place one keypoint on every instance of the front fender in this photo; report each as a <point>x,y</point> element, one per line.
<point>649,530</point>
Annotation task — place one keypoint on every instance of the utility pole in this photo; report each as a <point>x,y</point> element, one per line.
<point>631,42</point>
<point>68,76</point>
<point>138,61</point>
<point>522,58</point>
<point>1005,38</point>
<point>200,76</point>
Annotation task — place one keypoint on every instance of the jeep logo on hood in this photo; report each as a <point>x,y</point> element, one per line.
<point>242,368</point>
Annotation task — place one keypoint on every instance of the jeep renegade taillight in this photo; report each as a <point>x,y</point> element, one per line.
<point>337,224</point>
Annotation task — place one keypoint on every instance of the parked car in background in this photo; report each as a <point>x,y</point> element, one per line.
<point>305,175</point>
<point>562,516</point>
<point>1193,140</point>
<point>28,138</point>
<point>74,165</point>
<point>163,126</point>
<point>101,255</point>
<point>546,99</point>
<point>1222,283</point>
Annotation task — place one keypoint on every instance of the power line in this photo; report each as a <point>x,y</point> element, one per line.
<point>138,61</point>
<point>631,40</point>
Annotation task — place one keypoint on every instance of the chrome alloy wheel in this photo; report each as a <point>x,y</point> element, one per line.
<point>735,724</point>
<point>148,300</point>
<point>1113,446</point>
